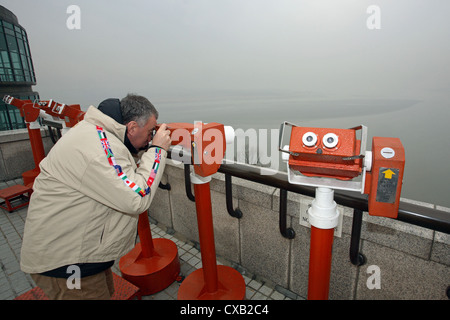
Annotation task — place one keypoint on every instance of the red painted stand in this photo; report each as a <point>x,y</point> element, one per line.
<point>12,193</point>
<point>320,263</point>
<point>211,282</point>
<point>37,147</point>
<point>152,264</point>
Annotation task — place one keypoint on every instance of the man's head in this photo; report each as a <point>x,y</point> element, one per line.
<point>139,116</point>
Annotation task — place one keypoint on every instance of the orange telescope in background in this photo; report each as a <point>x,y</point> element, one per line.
<point>328,159</point>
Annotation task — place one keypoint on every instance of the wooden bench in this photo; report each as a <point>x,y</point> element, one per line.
<point>11,194</point>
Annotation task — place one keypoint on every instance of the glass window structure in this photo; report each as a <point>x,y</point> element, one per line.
<point>16,69</point>
<point>15,58</point>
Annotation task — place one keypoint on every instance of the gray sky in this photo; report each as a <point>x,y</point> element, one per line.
<point>169,49</point>
<point>256,63</point>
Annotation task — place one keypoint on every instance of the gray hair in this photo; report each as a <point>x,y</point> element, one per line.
<point>137,108</point>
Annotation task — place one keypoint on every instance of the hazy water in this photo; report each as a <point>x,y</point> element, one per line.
<point>423,127</point>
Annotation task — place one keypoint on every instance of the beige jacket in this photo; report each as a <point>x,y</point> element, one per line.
<point>81,211</point>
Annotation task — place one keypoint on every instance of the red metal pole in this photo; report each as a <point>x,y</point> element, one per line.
<point>145,236</point>
<point>206,235</point>
<point>152,264</point>
<point>37,146</point>
<point>320,263</point>
<point>212,281</point>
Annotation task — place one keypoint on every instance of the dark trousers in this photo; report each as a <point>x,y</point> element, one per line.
<point>99,286</point>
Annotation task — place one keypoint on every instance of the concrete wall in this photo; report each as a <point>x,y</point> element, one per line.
<point>16,156</point>
<point>413,262</point>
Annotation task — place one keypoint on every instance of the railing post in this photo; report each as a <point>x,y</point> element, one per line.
<point>235,213</point>
<point>288,233</point>
<point>187,182</point>
<point>357,258</point>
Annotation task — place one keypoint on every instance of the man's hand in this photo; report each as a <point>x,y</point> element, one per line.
<point>162,137</point>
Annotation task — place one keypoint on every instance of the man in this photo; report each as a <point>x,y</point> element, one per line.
<point>86,201</point>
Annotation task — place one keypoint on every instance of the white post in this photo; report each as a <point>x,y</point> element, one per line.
<point>323,213</point>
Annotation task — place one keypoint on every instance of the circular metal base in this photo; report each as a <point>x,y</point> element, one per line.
<point>231,286</point>
<point>155,273</point>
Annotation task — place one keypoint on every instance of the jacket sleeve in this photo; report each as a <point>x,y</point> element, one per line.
<point>121,186</point>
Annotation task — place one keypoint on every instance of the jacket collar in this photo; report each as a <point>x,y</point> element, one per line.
<point>96,117</point>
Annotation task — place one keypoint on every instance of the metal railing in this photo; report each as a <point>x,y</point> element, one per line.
<point>408,212</point>
<point>426,217</point>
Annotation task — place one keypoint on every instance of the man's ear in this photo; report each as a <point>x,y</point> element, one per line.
<point>131,127</point>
